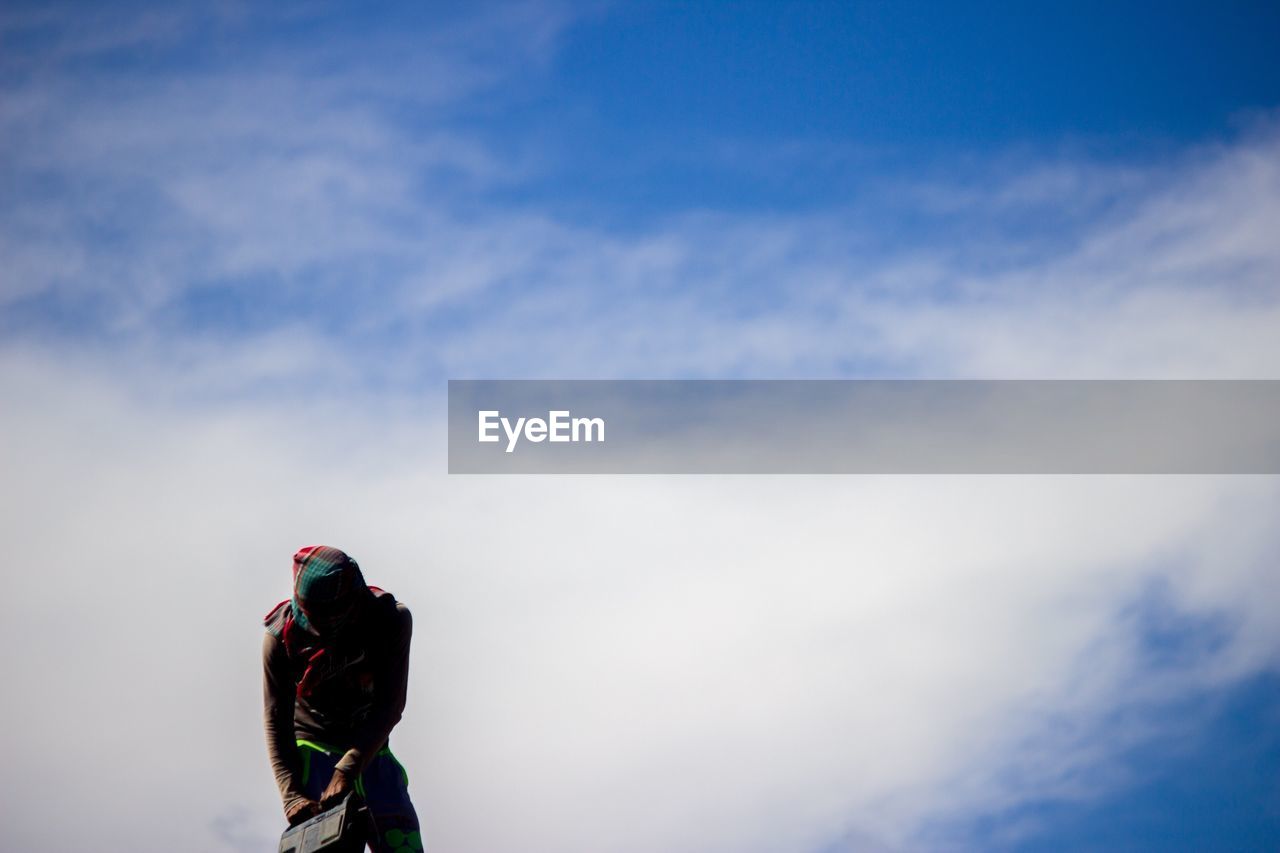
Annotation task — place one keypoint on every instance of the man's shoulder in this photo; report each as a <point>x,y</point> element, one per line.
<point>389,615</point>
<point>402,617</point>
<point>275,619</point>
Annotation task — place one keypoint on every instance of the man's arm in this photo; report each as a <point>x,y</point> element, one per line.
<point>277,720</point>
<point>390,705</point>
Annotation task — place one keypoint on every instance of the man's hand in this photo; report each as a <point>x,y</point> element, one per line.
<point>338,785</point>
<point>300,811</point>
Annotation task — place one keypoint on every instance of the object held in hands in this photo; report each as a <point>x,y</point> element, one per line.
<point>340,829</point>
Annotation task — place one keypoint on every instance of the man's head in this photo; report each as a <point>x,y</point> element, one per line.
<point>328,589</point>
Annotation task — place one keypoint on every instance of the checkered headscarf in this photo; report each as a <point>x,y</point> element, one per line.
<point>328,581</point>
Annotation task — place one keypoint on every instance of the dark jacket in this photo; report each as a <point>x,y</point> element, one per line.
<point>354,690</point>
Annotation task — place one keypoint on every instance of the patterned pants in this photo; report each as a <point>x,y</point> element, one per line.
<point>384,785</point>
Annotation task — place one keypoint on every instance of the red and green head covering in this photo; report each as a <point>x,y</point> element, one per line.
<point>328,588</point>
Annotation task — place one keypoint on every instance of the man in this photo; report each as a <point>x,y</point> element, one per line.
<point>335,665</point>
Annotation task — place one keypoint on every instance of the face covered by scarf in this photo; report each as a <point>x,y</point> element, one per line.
<point>328,590</point>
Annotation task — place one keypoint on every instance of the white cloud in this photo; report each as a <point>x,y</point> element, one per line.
<point>631,663</point>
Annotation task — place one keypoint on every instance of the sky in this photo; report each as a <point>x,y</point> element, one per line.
<point>243,247</point>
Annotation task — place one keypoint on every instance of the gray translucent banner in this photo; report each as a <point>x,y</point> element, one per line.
<point>864,427</point>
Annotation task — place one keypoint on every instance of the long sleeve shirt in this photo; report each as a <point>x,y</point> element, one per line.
<point>358,698</point>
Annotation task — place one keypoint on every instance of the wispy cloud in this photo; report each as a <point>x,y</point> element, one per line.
<point>296,205</point>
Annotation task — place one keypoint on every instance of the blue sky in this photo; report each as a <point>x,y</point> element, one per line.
<point>1214,788</point>
<point>1207,782</point>
<point>241,245</point>
<point>663,105</point>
